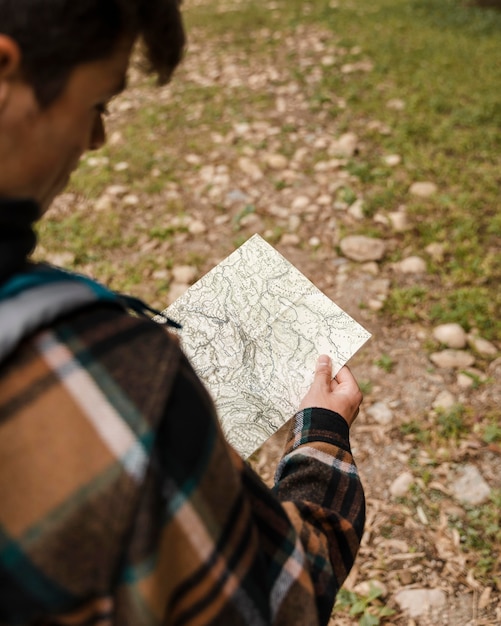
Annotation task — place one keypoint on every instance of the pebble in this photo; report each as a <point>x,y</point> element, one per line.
<point>457,359</point>
<point>117,190</point>
<point>424,189</point>
<point>104,203</point>
<point>451,335</point>
<point>436,251</point>
<point>314,242</point>
<point>290,239</point>
<point>250,168</point>
<point>419,602</point>
<point>412,265</point>
<point>392,159</point>
<point>444,400</point>
<point>482,346</point>
<point>276,161</point>
<point>176,290</point>
<point>184,274</point>
<point>366,586</point>
<point>121,167</point>
<point>197,227</point>
<point>401,485</point>
<point>345,146</point>
<point>380,413</point>
<point>300,203</point>
<point>362,249</point>
<point>470,486</point>
<point>399,221</point>
<point>396,104</point>
<point>356,210</point>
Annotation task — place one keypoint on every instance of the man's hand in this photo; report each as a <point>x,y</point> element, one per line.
<point>340,394</point>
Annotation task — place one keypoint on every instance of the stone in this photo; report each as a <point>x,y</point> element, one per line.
<point>363,249</point>
<point>401,485</point>
<point>424,189</point>
<point>399,221</point>
<point>380,413</point>
<point>250,168</point>
<point>470,487</point>
<point>419,602</point>
<point>176,290</point>
<point>184,274</point>
<point>276,161</point>
<point>451,335</point>
<point>412,265</point>
<point>455,359</point>
<point>104,203</point>
<point>482,346</point>
<point>197,227</point>
<point>345,146</point>
<point>396,104</point>
<point>366,586</point>
<point>436,251</point>
<point>290,239</point>
<point>356,210</point>
<point>314,242</point>
<point>392,159</point>
<point>444,400</point>
<point>300,203</point>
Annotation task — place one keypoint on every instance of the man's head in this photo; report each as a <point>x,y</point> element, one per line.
<point>61,61</point>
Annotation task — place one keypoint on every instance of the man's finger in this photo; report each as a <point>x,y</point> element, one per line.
<point>323,370</point>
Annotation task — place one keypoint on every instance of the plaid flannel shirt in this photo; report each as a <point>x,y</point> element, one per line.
<point>121,502</point>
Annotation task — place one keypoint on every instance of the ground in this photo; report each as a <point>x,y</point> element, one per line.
<point>181,197</point>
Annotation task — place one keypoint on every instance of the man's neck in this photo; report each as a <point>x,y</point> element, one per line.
<point>17,238</point>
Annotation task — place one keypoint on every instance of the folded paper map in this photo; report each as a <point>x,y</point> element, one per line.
<point>253,328</point>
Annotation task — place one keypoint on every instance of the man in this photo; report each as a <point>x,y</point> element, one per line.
<point>120,501</point>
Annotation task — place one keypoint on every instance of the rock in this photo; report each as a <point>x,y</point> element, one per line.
<point>197,227</point>
<point>300,203</point>
<point>250,168</point>
<point>60,259</point>
<point>423,189</point>
<point>392,159</point>
<point>116,190</point>
<point>131,200</point>
<point>436,251</point>
<point>470,486</point>
<point>104,203</point>
<point>444,400</point>
<point>184,274</point>
<point>366,586</point>
<point>457,359</point>
<point>451,335</point>
<point>235,196</point>
<point>345,146</point>
<point>419,602</point>
<point>380,413</point>
<point>396,104</point>
<point>412,265</point>
<point>176,290</point>
<point>294,222</point>
<point>276,161</point>
<point>356,210</point>
<point>400,486</point>
<point>362,249</point>
<point>121,167</point>
<point>290,239</point>
<point>482,346</point>
<point>399,221</point>
<point>314,242</point>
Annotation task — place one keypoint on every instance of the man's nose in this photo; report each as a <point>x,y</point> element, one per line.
<point>98,134</point>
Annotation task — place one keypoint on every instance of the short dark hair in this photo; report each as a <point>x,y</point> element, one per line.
<point>57,35</point>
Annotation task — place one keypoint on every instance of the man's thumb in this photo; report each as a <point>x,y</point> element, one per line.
<point>323,370</point>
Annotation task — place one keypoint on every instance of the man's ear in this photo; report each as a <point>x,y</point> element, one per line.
<point>10,63</point>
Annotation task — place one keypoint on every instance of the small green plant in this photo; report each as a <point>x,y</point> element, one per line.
<point>385,362</point>
<point>480,535</point>
<point>451,423</point>
<point>369,610</point>
<point>365,386</point>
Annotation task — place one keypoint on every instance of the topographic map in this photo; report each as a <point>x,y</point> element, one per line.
<point>253,328</point>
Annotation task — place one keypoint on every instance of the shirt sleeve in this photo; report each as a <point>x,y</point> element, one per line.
<point>212,544</point>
